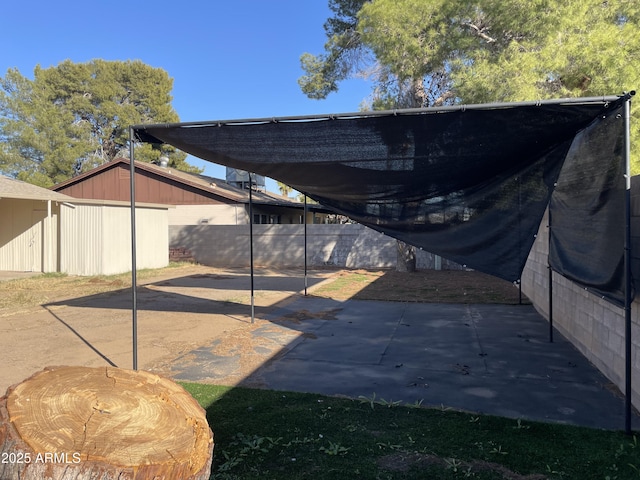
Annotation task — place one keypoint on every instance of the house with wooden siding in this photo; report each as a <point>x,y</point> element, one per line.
<point>198,199</point>
<point>209,219</point>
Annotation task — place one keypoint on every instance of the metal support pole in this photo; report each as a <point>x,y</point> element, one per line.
<point>305,246</point>
<point>627,269</point>
<point>550,304</point>
<point>519,234</point>
<point>251,246</point>
<point>134,280</point>
<point>519,291</point>
<point>550,288</point>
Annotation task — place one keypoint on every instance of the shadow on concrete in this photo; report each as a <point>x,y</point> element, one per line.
<point>491,359</point>
<point>227,293</point>
<point>77,334</point>
<point>485,358</point>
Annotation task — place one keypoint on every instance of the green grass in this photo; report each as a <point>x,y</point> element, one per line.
<point>262,434</point>
<point>352,282</point>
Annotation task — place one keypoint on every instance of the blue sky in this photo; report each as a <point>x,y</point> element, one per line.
<point>228,59</point>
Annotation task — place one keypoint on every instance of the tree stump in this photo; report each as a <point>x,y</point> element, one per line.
<point>104,424</point>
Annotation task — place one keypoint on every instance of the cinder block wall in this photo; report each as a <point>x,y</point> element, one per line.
<point>593,325</point>
<point>349,246</point>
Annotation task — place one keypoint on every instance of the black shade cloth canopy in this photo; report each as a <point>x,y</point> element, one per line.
<point>468,183</point>
<point>587,210</point>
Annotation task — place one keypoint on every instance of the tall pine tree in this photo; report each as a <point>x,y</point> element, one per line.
<point>75,116</point>
<point>424,53</point>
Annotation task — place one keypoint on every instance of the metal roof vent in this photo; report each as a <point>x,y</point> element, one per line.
<point>163,161</point>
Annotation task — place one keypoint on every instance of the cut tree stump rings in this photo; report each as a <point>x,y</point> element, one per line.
<point>102,423</point>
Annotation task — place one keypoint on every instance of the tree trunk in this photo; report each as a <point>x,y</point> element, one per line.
<point>406,260</point>
<point>102,424</point>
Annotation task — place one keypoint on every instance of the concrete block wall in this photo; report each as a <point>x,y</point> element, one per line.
<point>348,246</point>
<point>595,326</point>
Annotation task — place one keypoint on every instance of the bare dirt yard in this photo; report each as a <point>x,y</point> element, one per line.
<point>429,286</point>
<point>54,319</point>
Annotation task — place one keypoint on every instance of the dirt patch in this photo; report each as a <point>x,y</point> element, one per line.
<point>405,461</point>
<point>29,294</point>
<point>428,286</point>
<point>117,283</point>
<point>87,321</point>
<point>302,315</point>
